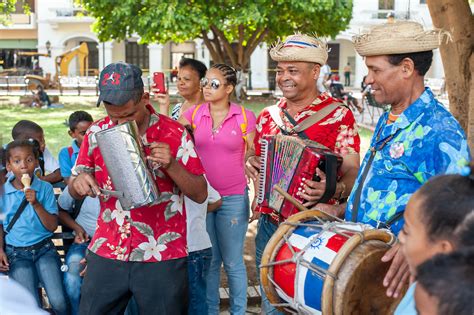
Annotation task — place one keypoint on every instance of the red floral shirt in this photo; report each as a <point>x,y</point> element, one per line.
<point>337,131</point>
<point>146,234</point>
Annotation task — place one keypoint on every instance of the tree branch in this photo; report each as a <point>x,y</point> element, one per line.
<point>217,46</point>
<point>209,45</point>
<point>249,49</point>
<point>227,46</point>
<point>240,56</point>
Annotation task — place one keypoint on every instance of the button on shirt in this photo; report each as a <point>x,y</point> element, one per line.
<point>150,233</point>
<point>426,141</point>
<point>28,229</point>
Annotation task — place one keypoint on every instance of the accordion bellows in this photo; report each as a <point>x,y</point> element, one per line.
<point>286,162</point>
<point>122,151</point>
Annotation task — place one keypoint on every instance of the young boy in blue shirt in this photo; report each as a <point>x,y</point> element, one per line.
<point>30,256</point>
<point>78,123</point>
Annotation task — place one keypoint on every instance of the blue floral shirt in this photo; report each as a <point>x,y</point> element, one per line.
<point>424,141</point>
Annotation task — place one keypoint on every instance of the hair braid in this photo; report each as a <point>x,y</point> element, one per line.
<point>228,72</point>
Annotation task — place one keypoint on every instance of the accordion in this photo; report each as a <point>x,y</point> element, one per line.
<point>286,161</point>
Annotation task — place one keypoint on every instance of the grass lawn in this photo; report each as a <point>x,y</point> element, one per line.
<point>53,120</point>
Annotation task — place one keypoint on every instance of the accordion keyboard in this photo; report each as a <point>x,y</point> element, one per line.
<point>263,168</point>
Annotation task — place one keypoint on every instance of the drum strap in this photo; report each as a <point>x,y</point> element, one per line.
<point>392,220</point>
<point>373,150</point>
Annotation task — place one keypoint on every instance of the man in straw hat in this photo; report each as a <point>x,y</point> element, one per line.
<point>141,252</point>
<point>416,140</point>
<point>300,58</point>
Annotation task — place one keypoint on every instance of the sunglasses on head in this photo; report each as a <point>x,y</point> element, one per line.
<point>215,84</point>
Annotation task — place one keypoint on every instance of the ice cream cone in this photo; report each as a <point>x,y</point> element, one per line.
<point>26,181</point>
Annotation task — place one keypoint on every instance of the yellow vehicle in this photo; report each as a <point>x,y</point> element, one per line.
<point>62,66</point>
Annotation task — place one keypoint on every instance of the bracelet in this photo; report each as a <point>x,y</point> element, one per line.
<point>342,191</point>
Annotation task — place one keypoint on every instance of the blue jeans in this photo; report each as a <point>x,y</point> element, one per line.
<point>265,230</point>
<point>227,227</point>
<point>30,266</point>
<point>199,263</point>
<point>72,279</point>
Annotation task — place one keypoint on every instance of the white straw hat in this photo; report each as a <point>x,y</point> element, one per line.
<point>400,37</point>
<point>300,47</point>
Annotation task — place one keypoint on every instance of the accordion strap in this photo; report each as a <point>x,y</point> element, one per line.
<point>305,124</point>
<point>316,117</point>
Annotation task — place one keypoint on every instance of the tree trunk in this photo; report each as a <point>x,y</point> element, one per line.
<point>458,59</point>
<point>220,48</point>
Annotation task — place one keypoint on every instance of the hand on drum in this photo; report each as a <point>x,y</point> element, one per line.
<point>252,167</point>
<point>334,210</point>
<point>313,191</point>
<point>398,274</point>
<point>160,154</point>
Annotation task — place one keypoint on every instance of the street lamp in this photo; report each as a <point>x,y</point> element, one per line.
<point>48,47</point>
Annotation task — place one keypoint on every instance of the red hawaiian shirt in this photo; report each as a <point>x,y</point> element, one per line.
<point>149,233</point>
<point>337,131</point>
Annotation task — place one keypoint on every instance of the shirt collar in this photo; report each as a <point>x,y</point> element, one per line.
<point>9,188</point>
<point>410,114</point>
<point>233,110</point>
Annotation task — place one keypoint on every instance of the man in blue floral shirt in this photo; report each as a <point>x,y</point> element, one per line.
<point>416,140</point>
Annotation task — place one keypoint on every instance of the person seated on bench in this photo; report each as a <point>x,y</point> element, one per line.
<point>41,98</point>
<point>30,218</point>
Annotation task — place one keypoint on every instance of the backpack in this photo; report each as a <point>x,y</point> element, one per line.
<point>76,206</point>
<point>241,120</point>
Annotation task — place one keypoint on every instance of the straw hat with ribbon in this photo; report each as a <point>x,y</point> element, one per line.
<point>300,47</point>
<point>398,38</point>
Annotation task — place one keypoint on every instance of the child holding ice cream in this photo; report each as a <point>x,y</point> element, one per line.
<point>30,213</point>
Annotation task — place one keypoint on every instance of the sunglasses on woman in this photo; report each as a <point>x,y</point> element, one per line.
<point>215,84</point>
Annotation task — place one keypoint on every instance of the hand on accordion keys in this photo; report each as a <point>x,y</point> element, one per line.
<point>312,191</point>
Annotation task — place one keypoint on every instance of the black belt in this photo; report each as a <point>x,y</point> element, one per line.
<point>32,247</point>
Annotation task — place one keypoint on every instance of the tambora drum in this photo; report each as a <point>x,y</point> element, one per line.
<point>313,265</point>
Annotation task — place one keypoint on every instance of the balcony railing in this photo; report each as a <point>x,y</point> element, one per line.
<point>70,12</point>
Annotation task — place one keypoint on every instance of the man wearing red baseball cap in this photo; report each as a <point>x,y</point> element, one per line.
<point>142,252</point>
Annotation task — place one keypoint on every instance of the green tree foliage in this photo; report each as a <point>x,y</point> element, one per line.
<point>231,29</point>
<point>7,7</point>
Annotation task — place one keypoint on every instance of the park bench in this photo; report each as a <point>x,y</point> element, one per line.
<point>78,83</point>
<point>13,83</point>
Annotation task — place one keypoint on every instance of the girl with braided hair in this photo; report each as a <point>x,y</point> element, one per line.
<point>435,223</point>
<point>223,133</point>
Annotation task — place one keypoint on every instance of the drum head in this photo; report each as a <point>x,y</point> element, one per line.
<point>359,288</point>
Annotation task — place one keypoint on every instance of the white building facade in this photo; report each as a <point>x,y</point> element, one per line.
<point>59,25</point>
